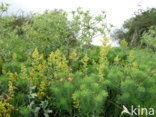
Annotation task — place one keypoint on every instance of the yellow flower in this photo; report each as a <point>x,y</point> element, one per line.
<point>85,63</point>
<point>73,55</point>
<point>75,102</point>
<point>5,109</point>
<point>103,62</point>
<point>14,56</point>
<point>116,59</point>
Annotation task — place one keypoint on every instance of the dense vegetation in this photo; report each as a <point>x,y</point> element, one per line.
<point>48,67</point>
<point>135,27</point>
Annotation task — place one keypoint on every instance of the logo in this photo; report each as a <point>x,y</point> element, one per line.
<point>137,111</point>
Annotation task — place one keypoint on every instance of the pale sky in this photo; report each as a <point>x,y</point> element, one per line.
<point>117,10</point>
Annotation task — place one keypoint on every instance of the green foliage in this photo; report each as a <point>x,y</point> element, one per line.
<point>149,38</point>
<point>48,31</point>
<point>89,93</point>
<point>139,90</point>
<point>1,64</point>
<point>3,8</point>
<point>134,28</point>
<point>25,112</point>
<point>3,85</point>
<point>86,26</point>
<point>48,67</point>
<point>52,89</point>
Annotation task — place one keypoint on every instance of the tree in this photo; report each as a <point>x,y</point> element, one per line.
<point>136,26</point>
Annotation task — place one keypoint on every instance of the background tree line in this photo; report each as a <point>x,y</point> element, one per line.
<point>134,29</point>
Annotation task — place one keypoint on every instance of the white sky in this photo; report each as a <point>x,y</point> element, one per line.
<point>117,10</point>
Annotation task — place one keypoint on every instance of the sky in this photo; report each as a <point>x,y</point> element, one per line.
<point>117,10</point>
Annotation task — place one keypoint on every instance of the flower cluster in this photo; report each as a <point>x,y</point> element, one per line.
<point>103,62</point>
<point>5,109</point>
<point>57,61</point>
<point>12,80</point>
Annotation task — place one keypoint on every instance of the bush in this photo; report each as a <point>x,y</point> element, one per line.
<point>39,78</point>
<point>149,38</point>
